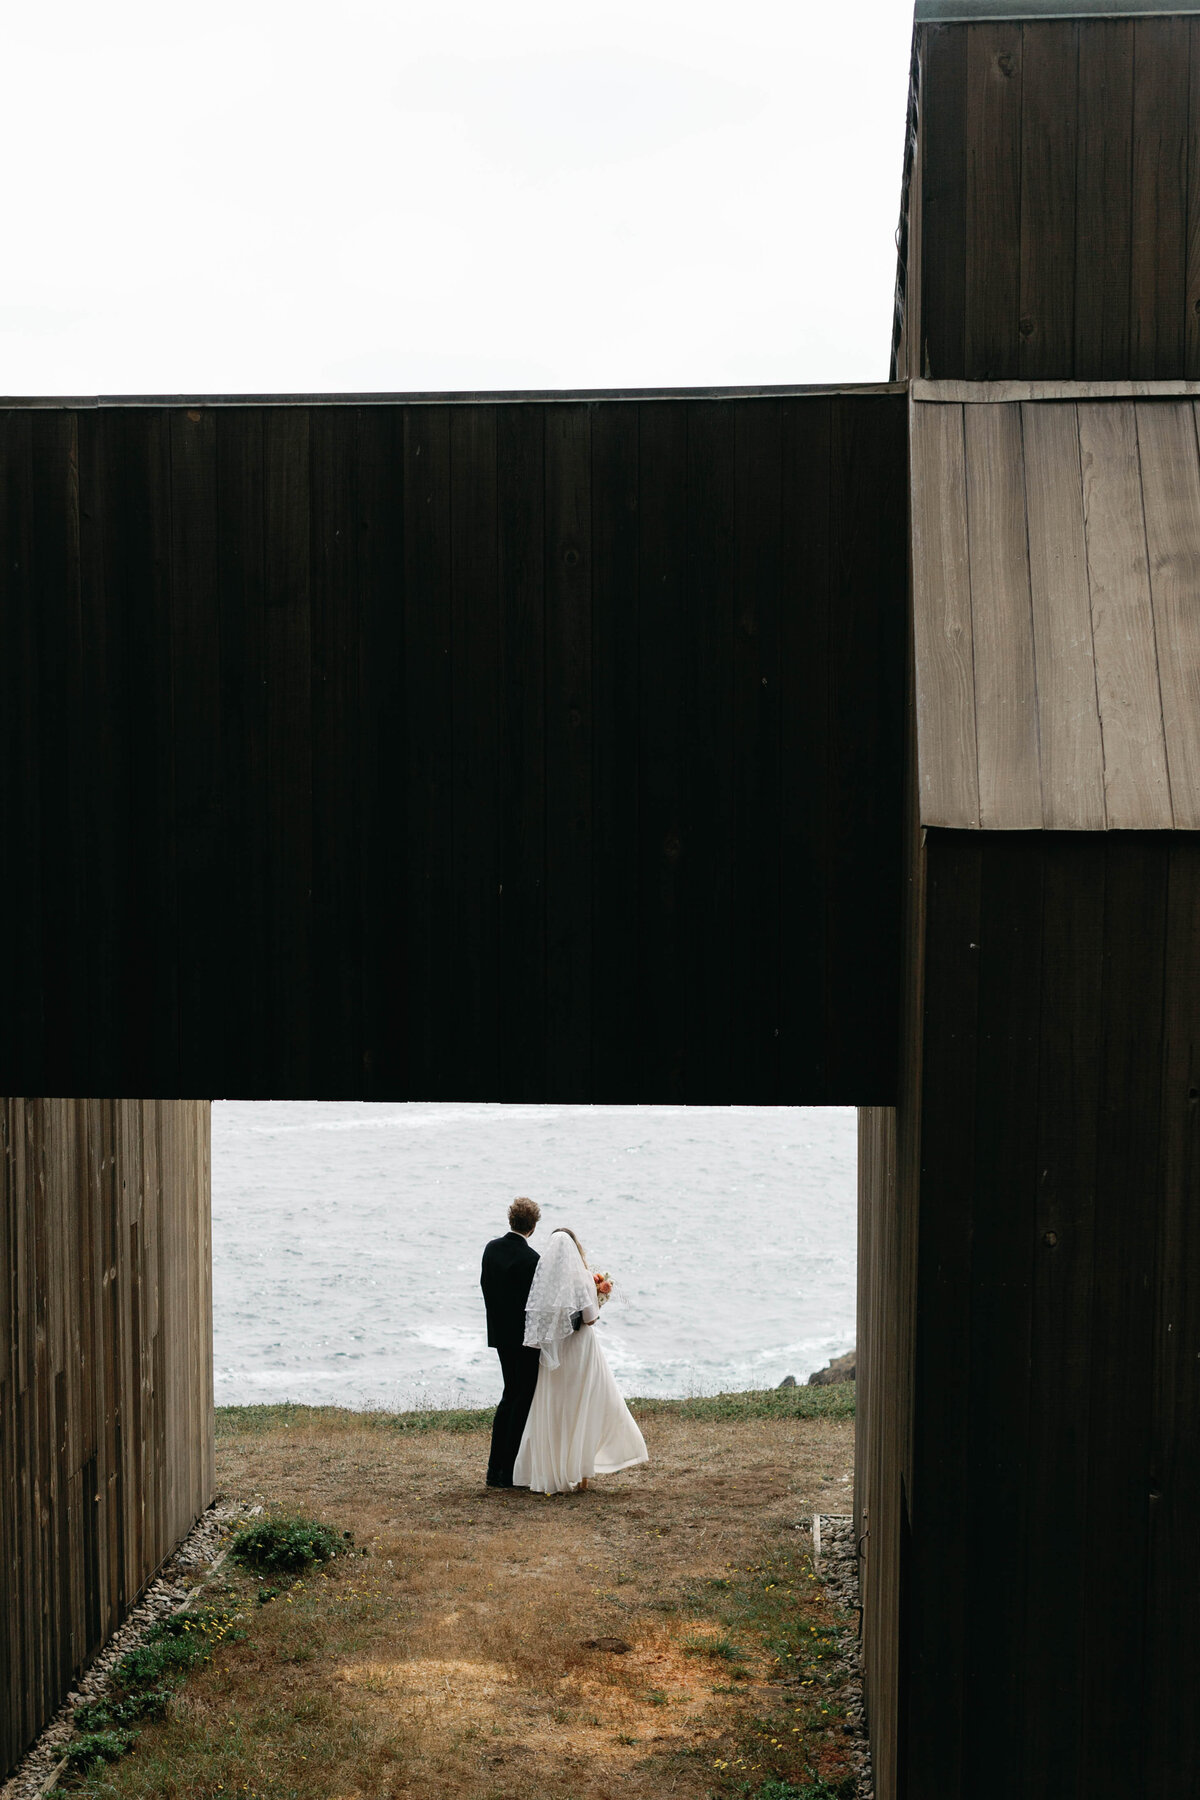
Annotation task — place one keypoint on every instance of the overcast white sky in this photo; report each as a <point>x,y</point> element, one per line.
<point>256,196</point>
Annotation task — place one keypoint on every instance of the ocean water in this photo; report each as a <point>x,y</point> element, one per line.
<point>347,1239</point>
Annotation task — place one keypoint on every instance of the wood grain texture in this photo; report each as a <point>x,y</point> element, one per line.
<point>1071,751</point>
<point>993,210</point>
<point>806,455</point>
<point>1170,471</point>
<point>450,750</point>
<point>1159,230</point>
<point>1104,200</point>
<point>1137,790</point>
<point>942,620</point>
<point>1056,1340</point>
<point>1078,542</point>
<point>1191,305</point>
<point>1056,200</point>
<point>1049,123</point>
<point>1005,678</point>
<point>105,1376</point>
<point>934,320</point>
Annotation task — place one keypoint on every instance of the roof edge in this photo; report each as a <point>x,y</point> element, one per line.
<point>961,12</point>
<point>500,397</point>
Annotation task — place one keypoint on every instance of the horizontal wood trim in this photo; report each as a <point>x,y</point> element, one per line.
<point>992,393</point>
<point>497,397</point>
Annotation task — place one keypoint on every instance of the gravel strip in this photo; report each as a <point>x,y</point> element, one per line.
<point>838,1573</point>
<point>181,1576</point>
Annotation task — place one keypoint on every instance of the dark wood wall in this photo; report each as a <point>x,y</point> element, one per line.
<point>106,1447</point>
<point>495,751</point>
<point>1052,223</point>
<point>1039,1565</point>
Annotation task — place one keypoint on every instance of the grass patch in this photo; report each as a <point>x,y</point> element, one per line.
<point>794,1749</point>
<point>723,1648</point>
<point>96,1747</point>
<point>287,1545</point>
<point>834,1401</point>
<point>143,1682</point>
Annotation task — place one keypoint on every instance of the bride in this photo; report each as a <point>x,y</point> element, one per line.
<point>578,1425</point>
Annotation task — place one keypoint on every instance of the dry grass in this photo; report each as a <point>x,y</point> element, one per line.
<point>451,1660</point>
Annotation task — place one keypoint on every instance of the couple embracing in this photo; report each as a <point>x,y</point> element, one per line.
<point>561,1418</point>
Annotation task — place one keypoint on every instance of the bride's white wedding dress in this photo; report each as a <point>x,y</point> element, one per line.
<point>578,1425</point>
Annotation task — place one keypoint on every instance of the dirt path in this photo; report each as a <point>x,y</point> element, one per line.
<point>459,1657</point>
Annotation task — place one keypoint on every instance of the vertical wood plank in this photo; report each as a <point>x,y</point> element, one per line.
<point>1128,1190</point>
<point>756,921</point>
<point>196,735</point>
<point>1049,121</point>
<point>865,713</point>
<point>339,779</point>
<point>383,848</point>
<point>662,620</point>
<point>1003,1208</point>
<point>947,1101</point>
<point>1071,752</point>
<point>1166,434</point>
<point>806,599</point>
<point>941,351</point>
<point>1104,200</point>
<point>1006,704</point>
<point>1173,1488</point>
<point>993,215</point>
<point>706,922</point>
<point>102,773</point>
<point>1137,791</point>
<point>428,707</point>
<point>942,620</point>
<point>477,867</point>
<point>246,947</point>
<point>21,704</point>
<point>521,549</point>
<point>288,645</point>
<point>1159,215</point>
<point>569,735</point>
<point>145,878</point>
<point>52,769</point>
<point>616,579</point>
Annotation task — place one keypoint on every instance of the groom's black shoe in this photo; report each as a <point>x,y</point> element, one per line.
<point>494,1483</point>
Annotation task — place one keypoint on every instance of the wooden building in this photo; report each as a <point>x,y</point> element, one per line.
<point>106,1427</point>
<point>1028,1483</point>
<point>791,745</point>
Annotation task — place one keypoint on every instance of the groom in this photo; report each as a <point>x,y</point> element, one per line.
<point>508,1265</point>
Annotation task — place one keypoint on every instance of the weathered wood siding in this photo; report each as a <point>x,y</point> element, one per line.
<point>1030,1624</point>
<point>489,750</point>
<point>1052,218</point>
<point>1055,547</point>
<point>106,1445</point>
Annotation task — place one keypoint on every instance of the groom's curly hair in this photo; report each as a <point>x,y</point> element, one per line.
<point>523,1215</point>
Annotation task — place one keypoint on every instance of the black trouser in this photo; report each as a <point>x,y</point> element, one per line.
<point>520,1369</point>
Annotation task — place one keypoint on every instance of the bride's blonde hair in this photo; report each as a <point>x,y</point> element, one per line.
<point>575,1241</point>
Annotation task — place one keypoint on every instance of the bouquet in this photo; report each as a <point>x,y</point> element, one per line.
<point>604,1287</point>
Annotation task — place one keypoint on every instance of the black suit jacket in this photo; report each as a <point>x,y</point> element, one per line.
<point>506,1277</point>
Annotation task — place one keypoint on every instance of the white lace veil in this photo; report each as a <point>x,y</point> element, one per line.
<point>561,1287</point>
